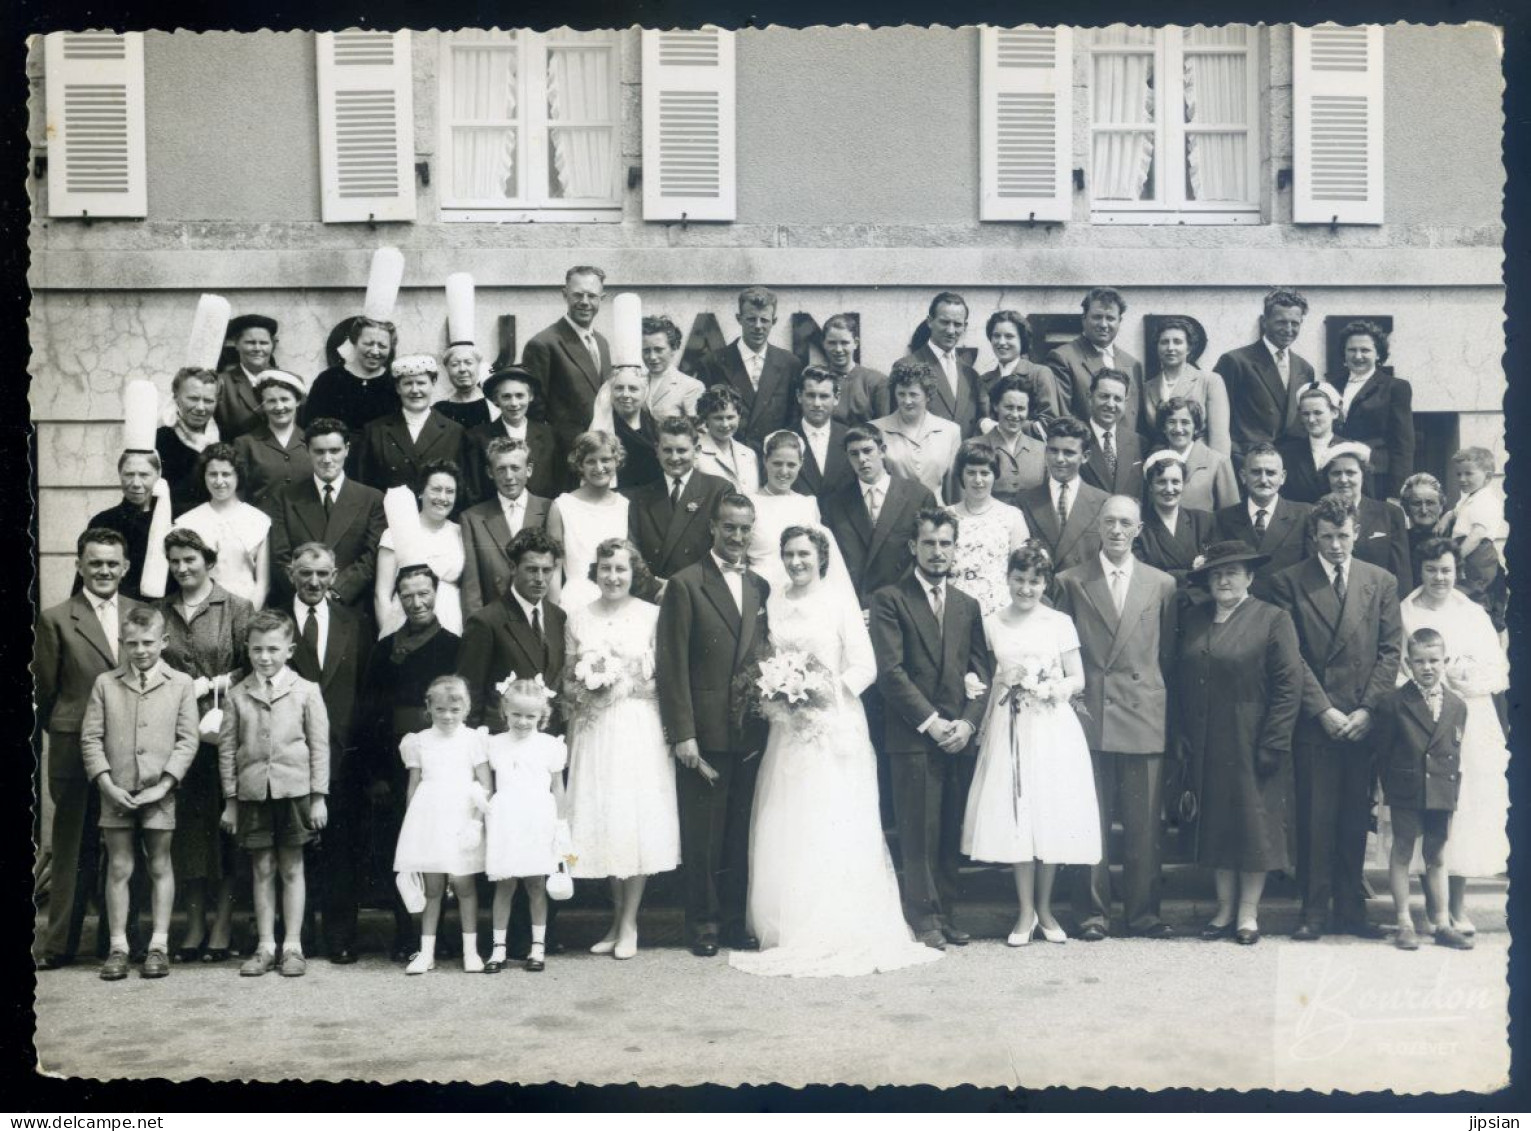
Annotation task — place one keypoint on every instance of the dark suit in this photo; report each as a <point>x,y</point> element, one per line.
<point>69,651</point>
<point>1382,539</point>
<point>771,406</point>
<point>875,558</point>
<point>822,481</point>
<point>1305,483</point>
<point>672,538</point>
<point>547,472</point>
<point>1174,553</point>
<point>498,641</point>
<point>702,642</point>
<point>1420,758</point>
<point>569,377</point>
<point>1125,657</point>
<point>1382,418</point>
<point>132,522</point>
<point>341,865</point>
<point>1079,540</point>
<point>486,570</point>
<point>1128,479</point>
<point>352,531</point>
<point>921,671</point>
<point>640,446</point>
<point>1286,537</point>
<point>1260,406</point>
<point>863,396</point>
<point>388,457</point>
<point>966,407</point>
<point>1075,365</point>
<point>1350,660</point>
<point>238,409</point>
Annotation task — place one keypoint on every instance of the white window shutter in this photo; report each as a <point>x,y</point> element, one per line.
<point>688,125</point>
<point>366,126</point>
<point>1337,124</point>
<point>1026,123</point>
<point>95,130</point>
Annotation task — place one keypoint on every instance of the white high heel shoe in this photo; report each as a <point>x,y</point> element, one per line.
<point>420,964</point>
<point>605,946</point>
<point>1022,938</point>
<point>1053,934</point>
<point>625,950</point>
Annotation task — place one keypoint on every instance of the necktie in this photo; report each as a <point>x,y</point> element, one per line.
<point>595,350</point>
<point>1063,504</point>
<point>329,499</point>
<point>874,504</point>
<point>537,620</point>
<point>1433,700</point>
<point>143,681</point>
<point>271,689</point>
<point>1108,447</point>
<point>1281,362</point>
<point>1259,522</point>
<point>1118,588</point>
<point>674,494</point>
<point>311,632</point>
<point>754,368</point>
<point>1339,585</point>
<point>107,615</point>
<point>938,605</point>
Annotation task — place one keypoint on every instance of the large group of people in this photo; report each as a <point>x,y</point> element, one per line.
<point>814,634</point>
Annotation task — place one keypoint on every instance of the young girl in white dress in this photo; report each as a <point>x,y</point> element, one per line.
<point>584,518</point>
<point>522,824</point>
<point>1032,802</point>
<point>443,830</point>
<point>623,816</point>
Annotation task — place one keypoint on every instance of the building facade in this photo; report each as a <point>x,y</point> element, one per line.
<point>850,170</point>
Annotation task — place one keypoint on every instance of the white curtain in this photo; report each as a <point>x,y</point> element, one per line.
<point>1216,88</point>
<point>582,162</point>
<point>484,156</point>
<point>1122,94</point>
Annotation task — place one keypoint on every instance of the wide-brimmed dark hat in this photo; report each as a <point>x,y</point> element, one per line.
<point>510,372</point>
<point>1233,552</point>
<point>245,322</point>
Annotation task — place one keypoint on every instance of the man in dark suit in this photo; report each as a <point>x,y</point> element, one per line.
<point>487,529</point>
<point>569,359</point>
<point>1075,363</point>
<point>1061,512</point>
<point>1124,611</point>
<point>510,390</point>
<point>763,375</point>
<point>959,393</point>
<point>873,517</point>
<point>712,624</point>
<point>1263,378</point>
<point>1271,524</point>
<point>333,648</point>
<point>1348,625</point>
<point>1114,462</point>
<point>331,508</point>
<point>668,520</point>
<point>928,637</point>
<point>76,641</point>
<point>825,468</point>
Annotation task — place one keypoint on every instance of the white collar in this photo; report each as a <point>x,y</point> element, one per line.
<point>340,481</point>
<point>513,431</point>
<point>512,504</point>
<point>723,567</point>
<point>1107,352</point>
<point>1053,487</point>
<point>102,603</point>
<point>746,353</point>
<point>1269,508</point>
<point>1109,567</point>
<point>927,584</point>
<point>880,485</point>
<point>1331,569</point>
<point>526,606</point>
<point>815,433</point>
<point>1353,382</point>
<point>685,480</point>
<point>579,333</point>
<point>1272,348</point>
<point>1100,431</point>
<point>321,611</point>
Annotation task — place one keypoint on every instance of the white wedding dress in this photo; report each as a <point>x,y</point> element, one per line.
<point>823,897</point>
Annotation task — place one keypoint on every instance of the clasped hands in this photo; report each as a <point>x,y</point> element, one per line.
<point>134,801</point>
<point>203,686</point>
<point>951,735</point>
<point>1346,728</point>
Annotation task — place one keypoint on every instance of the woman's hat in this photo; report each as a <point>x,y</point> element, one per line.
<point>1233,552</point>
<point>460,309</point>
<point>1345,448</point>
<point>1163,455</point>
<point>209,329</point>
<point>415,365</point>
<point>245,322</point>
<point>383,283</point>
<point>286,380</point>
<point>510,372</point>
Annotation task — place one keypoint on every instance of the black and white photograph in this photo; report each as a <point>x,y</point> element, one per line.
<point>906,555</point>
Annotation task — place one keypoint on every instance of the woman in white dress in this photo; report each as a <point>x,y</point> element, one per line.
<point>991,530</point>
<point>778,506</point>
<point>623,816</point>
<point>235,529</point>
<point>439,546</point>
<point>823,898</point>
<point>585,517</point>
<point>1032,804</point>
<point>719,453</point>
<point>1476,668</point>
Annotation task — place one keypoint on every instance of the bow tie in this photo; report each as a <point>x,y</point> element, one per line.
<point>733,567</point>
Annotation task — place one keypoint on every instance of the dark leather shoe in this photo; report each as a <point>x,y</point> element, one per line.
<point>1307,932</point>
<point>953,935</point>
<point>535,965</point>
<point>187,954</point>
<point>156,965</point>
<point>343,956</point>
<point>705,948</point>
<point>400,953</point>
<point>55,961</point>
<point>493,967</point>
<point>1157,931</point>
<point>932,938</point>
<point>1092,932</point>
<point>115,968</point>
<point>1361,930</point>
<point>1212,932</point>
<point>1246,936</point>
<point>741,940</point>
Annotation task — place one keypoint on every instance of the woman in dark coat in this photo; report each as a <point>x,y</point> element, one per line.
<point>273,453</point>
<point>1239,685</point>
<point>401,668</point>
<point>1172,535</point>
<point>206,626</point>
<point>1378,408</point>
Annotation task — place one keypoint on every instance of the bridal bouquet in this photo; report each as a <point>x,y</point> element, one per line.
<point>597,679</point>
<point>794,689</point>
<point>1033,682</point>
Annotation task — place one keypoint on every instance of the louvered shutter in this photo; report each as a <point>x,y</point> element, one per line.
<point>1025,114</point>
<point>366,126</point>
<point>1337,124</point>
<point>95,130</point>
<point>688,125</point>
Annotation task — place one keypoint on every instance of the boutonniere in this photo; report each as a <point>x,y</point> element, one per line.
<point>693,506</point>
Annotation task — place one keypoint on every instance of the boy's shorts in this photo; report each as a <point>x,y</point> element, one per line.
<point>1414,823</point>
<point>160,815</point>
<point>275,822</point>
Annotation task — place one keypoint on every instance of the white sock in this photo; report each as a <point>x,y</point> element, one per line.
<point>160,941</point>
<point>120,941</point>
<point>539,935</point>
<point>428,945</point>
<point>470,942</point>
<point>292,946</point>
<point>501,936</point>
<point>268,945</point>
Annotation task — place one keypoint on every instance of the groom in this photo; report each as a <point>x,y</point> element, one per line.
<point>928,637</point>
<point>711,625</point>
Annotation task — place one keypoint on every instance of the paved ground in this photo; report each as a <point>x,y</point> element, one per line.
<point>1337,1014</point>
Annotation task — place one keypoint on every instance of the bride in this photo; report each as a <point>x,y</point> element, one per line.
<point>823,898</point>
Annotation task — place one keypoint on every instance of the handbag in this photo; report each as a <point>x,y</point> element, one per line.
<point>212,722</point>
<point>560,884</point>
<point>1184,805</point>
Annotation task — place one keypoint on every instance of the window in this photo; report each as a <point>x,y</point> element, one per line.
<point>530,125</point>
<point>1172,125</point>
